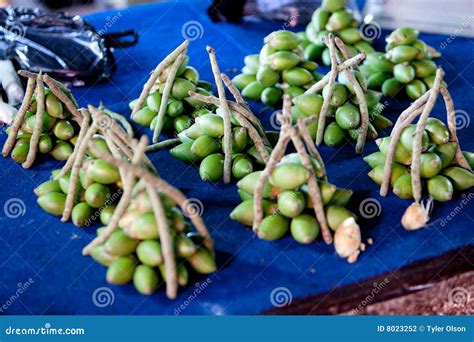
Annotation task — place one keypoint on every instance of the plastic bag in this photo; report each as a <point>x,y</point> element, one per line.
<point>65,46</point>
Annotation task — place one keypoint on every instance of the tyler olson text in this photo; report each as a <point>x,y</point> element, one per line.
<point>445,329</point>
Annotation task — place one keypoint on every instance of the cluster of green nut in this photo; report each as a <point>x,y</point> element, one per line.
<point>180,106</point>
<point>344,112</point>
<point>99,187</point>
<point>134,251</point>
<point>333,17</point>
<point>437,169</point>
<point>280,68</point>
<point>202,142</point>
<point>58,132</point>
<point>407,64</point>
<point>287,204</point>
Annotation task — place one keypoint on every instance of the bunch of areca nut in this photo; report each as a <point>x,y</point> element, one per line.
<point>46,121</point>
<point>229,141</point>
<point>407,65</point>
<point>426,154</point>
<point>293,194</point>
<point>164,103</point>
<point>345,108</point>
<point>280,68</point>
<point>333,17</point>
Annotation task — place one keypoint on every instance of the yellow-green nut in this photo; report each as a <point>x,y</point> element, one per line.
<point>327,193</point>
<point>313,51</point>
<point>52,202</point>
<point>144,116</point>
<point>273,227</point>
<point>244,213</point>
<point>121,270</point>
<point>64,182</point>
<point>333,5</point>
<point>153,101</point>
<point>445,152</point>
<point>184,246</point>
<point>102,172</point>
<point>343,79</point>
<point>437,131</point>
<point>204,146</point>
<point>271,96</point>
<point>267,76</point>
<point>404,72</point>
<point>430,165</point>
<point>336,214</point>
<point>183,152</point>
<point>106,213</point>
<point>297,76</point>
<point>461,179</point>
<point>339,20</point>
<point>309,104</point>
<point>293,91</point>
<point>415,89</point>
<point>423,49</point>
<point>333,135</point>
<point>283,40</point>
<point>289,176</point>
<point>469,158</point>
<point>291,203</point>
<point>252,61</point>
<point>149,253</point>
<point>341,197</point>
<point>397,171</point>
<point>99,144</point>
<point>240,138</point>
<point>406,139</point>
<point>319,19</point>
<point>242,80</point>
<point>253,90</point>
<point>177,219</point>
<point>211,125</point>
<point>249,182</point>
<point>181,88</point>
<point>304,228</point>
<point>45,143</point>
<point>364,46</point>
<point>47,187</point>
<point>131,104</point>
<point>120,244</point>
<point>181,123</point>
<point>391,87</point>
<point>402,36</point>
<point>241,167</point>
<point>283,60</point>
<point>47,122</point>
<point>402,53</point>
<point>175,108</point>
<point>212,167</point>
<point>203,261</point>
<point>402,187</point>
<point>308,65</point>
<point>53,106</point>
<point>339,95</point>
<point>350,35</point>
<point>402,155</point>
<point>375,80</point>
<point>99,254</point>
<point>63,130</point>
<point>348,116</point>
<point>144,227</point>
<point>440,188</point>
<point>424,68</point>
<point>244,196</point>
<point>81,214</point>
<point>375,159</point>
<point>252,152</point>
<point>145,280</point>
<point>191,74</point>
<point>61,151</point>
<point>20,152</point>
<point>380,121</point>
<point>378,62</point>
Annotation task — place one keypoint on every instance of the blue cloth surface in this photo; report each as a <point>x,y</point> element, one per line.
<point>38,246</point>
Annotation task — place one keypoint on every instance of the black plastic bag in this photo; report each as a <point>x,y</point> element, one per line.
<point>64,46</point>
